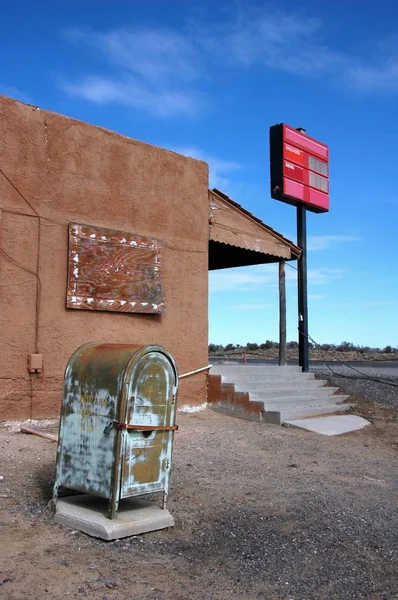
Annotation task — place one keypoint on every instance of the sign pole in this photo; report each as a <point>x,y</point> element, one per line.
<point>300,176</point>
<point>282,315</point>
<point>302,288</point>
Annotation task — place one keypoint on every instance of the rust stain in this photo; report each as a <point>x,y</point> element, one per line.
<point>147,470</point>
<point>114,271</point>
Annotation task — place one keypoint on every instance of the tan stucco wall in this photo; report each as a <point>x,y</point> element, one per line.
<point>70,171</point>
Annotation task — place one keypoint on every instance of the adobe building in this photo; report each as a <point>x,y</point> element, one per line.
<point>105,238</point>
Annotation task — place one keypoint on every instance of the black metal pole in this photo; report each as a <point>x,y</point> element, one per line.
<point>302,288</point>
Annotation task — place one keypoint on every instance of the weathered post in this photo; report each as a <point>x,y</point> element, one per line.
<point>282,315</point>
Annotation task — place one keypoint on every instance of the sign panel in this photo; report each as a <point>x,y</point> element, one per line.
<point>299,169</point>
<point>114,271</point>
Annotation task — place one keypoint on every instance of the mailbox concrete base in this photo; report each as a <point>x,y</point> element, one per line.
<point>89,514</point>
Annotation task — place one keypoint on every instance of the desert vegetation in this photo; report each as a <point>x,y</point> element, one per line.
<point>270,349</point>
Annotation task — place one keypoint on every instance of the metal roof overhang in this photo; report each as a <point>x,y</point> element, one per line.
<point>238,239</point>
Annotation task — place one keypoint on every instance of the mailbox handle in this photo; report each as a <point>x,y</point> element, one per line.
<point>146,427</point>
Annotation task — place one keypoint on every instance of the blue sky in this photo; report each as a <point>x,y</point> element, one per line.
<point>208,79</point>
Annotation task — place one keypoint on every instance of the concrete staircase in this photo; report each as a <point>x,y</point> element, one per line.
<point>279,393</point>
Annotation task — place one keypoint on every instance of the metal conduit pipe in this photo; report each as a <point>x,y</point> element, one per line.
<point>194,372</point>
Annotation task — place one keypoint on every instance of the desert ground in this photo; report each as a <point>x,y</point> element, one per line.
<point>261,511</point>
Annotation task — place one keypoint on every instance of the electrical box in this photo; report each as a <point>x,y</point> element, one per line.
<point>117,422</point>
<point>35,363</point>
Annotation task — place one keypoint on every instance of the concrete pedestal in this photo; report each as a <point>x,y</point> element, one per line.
<point>89,514</point>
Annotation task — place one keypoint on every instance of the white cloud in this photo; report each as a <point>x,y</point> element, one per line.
<point>134,93</point>
<point>275,39</point>
<point>315,297</point>
<point>323,276</point>
<point>250,306</point>
<point>382,303</point>
<point>323,242</point>
<point>153,54</point>
<point>160,70</point>
<point>218,167</point>
<point>380,72</point>
<point>379,78</point>
<point>259,276</point>
<point>294,43</point>
<point>242,279</point>
<point>151,70</point>
<point>13,92</point>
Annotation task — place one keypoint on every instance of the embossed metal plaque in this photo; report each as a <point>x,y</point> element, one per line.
<point>114,271</point>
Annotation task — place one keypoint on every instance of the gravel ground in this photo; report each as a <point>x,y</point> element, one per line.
<point>360,385</point>
<point>261,512</point>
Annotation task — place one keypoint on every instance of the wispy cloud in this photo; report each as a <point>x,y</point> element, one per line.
<point>13,92</point>
<point>257,277</point>
<point>218,167</point>
<point>250,306</point>
<point>131,92</point>
<point>380,71</point>
<point>324,276</point>
<point>294,43</point>
<point>324,242</point>
<point>153,54</point>
<point>382,303</point>
<point>381,77</point>
<point>241,279</point>
<point>151,70</point>
<point>274,39</point>
<point>165,71</point>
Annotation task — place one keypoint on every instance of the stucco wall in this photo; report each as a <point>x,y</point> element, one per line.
<point>70,171</point>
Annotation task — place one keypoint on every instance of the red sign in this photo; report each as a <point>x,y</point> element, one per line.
<point>299,168</point>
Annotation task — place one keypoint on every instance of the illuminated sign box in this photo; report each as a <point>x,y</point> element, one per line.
<point>299,169</point>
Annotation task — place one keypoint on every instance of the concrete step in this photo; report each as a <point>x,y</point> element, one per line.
<point>232,369</point>
<point>284,393</point>
<point>279,417</point>
<point>265,386</point>
<point>266,377</point>
<point>295,402</point>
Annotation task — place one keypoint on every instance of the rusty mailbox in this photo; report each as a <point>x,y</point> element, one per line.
<point>117,422</point>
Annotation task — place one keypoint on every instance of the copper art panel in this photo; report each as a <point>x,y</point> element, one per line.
<point>113,270</point>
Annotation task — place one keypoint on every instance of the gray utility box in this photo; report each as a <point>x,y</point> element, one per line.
<point>117,422</point>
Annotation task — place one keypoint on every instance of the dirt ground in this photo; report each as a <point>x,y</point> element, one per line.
<point>261,512</point>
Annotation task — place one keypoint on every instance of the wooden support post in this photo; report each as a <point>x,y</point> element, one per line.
<point>282,315</point>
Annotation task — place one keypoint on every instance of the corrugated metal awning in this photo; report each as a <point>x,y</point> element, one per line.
<point>237,238</point>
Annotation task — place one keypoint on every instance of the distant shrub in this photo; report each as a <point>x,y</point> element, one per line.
<point>252,346</point>
<point>364,349</point>
<point>292,345</point>
<point>216,348</point>
<point>327,347</point>
<point>266,345</point>
<point>345,347</point>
